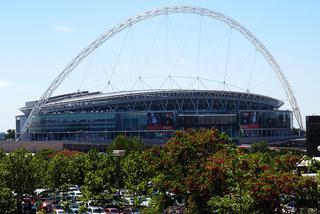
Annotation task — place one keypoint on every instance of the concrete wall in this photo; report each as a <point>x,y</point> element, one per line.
<point>31,146</point>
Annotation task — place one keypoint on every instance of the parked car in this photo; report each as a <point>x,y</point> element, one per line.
<point>74,207</point>
<point>112,211</point>
<point>129,201</point>
<point>77,194</point>
<point>59,211</point>
<point>145,202</point>
<point>46,206</point>
<point>95,210</point>
<point>289,207</point>
<point>74,210</point>
<point>131,211</point>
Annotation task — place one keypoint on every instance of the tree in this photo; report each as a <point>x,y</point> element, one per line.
<point>18,173</point>
<point>7,200</point>
<point>181,169</point>
<point>130,144</point>
<point>59,175</point>
<point>66,168</point>
<point>307,192</point>
<point>136,173</point>
<point>314,166</point>
<point>99,179</point>
<point>11,134</point>
<point>232,204</point>
<point>40,164</point>
<point>260,146</point>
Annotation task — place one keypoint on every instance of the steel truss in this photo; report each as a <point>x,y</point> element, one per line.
<point>160,100</point>
<point>159,12</point>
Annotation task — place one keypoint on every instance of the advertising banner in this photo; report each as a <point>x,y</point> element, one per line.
<point>160,121</point>
<point>249,120</point>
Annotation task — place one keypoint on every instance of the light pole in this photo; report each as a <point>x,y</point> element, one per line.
<point>79,133</point>
<point>118,154</point>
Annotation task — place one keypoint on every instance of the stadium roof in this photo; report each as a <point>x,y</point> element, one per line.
<point>84,98</point>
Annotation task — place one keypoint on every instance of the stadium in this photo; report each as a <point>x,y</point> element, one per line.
<point>155,113</point>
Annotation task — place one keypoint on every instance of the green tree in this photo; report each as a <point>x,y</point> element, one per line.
<point>314,166</point>
<point>2,154</point>
<point>18,173</point>
<point>260,146</point>
<point>232,204</point>
<point>130,144</point>
<point>11,134</point>
<point>77,167</point>
<point>40,165</point>
<point>307,192</point>
<point>65,169</point>
<point>99,178</point>
<point>136,173</point>
<point>7,200</point>
<point>59,175</point>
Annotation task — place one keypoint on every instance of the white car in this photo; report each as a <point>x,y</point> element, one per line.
<point>75,194</point>
<point>95,210</point>
<point>59,211</point>
<point>129,201</point>
<point>145,202</point>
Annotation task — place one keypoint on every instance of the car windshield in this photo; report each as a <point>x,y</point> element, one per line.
<point>97,210</point>
<point>74,206</point>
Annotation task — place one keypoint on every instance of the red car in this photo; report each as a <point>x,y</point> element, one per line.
<point>112,211</point>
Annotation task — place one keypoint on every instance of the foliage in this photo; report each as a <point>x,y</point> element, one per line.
<point>260,146</point>
<point>59,173</point>
<point>11,134</point>
<point>7,200</point>
<point>232,204</point>
<point>197,170</point>
<point>130,144</point>
<point>268,186</point>
<point>18,173</point>
<point>99,177</point>
<point>136,173</point>
<point>314,166</point>
<point>307,192</point>
<point>181,169</point>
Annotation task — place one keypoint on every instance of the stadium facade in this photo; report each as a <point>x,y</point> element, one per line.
<point>154,115</point>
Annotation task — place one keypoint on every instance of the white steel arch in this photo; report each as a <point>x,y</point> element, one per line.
<point>158,12</point>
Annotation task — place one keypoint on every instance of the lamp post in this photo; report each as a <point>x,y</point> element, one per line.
<point>118,154</point>
<point>79,133</point>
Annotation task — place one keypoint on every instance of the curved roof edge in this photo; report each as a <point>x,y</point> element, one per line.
<point>96,96</point>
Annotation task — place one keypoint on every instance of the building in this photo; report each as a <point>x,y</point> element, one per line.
<point>154,115</point>
<point>313,135</point>
<point>2,136</point>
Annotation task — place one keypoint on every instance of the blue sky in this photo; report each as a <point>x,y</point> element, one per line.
<point>38,38</point>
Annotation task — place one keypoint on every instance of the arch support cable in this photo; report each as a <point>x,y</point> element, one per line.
<point>159,12</point>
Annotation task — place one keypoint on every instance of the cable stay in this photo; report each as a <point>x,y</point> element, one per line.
<point>126,27</point>
<point>241,64</point>
<point>211,58</point>
<point>263,82</point>
<point>227,59</point>
<point>150,51</point>
<point>199,46</point>
<point>119,54</point>
<point>252,69</point>
<point>185,44</point>
<point>87,69</point>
